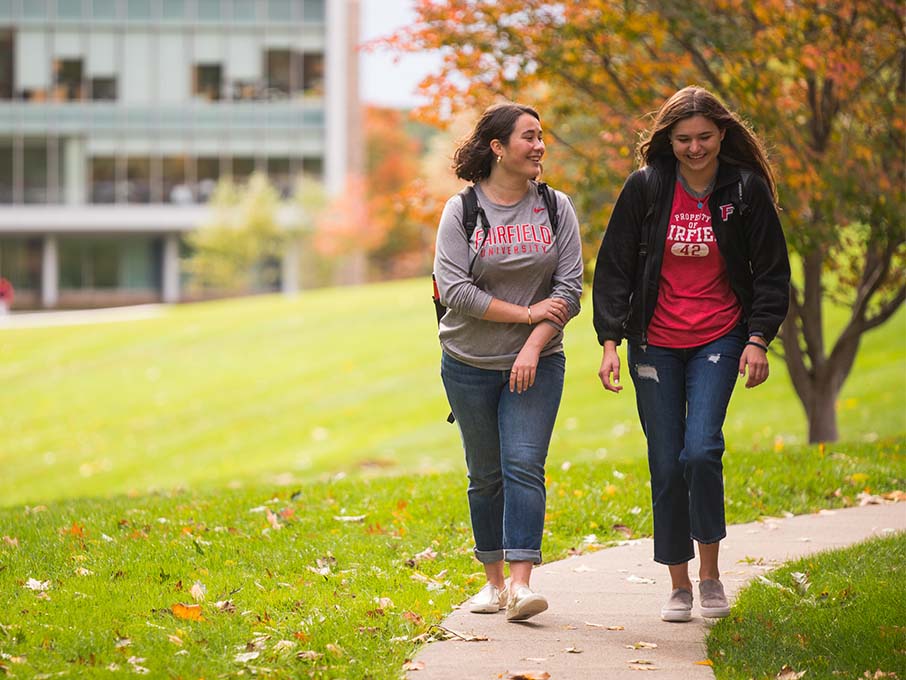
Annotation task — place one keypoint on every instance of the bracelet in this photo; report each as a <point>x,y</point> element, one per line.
<point>529,310</point>
<point>757,344</point>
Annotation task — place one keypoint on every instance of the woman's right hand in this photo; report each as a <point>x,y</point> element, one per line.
<point>552,309</point>
<point>610,368</point>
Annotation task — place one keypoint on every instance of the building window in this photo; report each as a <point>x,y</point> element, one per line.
<point>138,179</point>
<point>103,88</point>
<point>209,10</point>
<point>244,10</point>
<point>69,9</point>
<point>313,74</point>
<point>103,9</point>
<point>207,81</point>
<point>279,10</point>
<point>173,9</point>
<point>242,167</point>
<point>20,263</point>
<point>7,63</point>
<point>103,180</point>
<point>174,181</point>
<point>139,9</point>
<point>283,72</point>
<point>313,167</point>
<point>88,263</point>
<point>35,172</point>
<point>6,172</point>
<point>207,174</point>
<point>35,9</point>
<point>313,10</point>
<point>67,80</point>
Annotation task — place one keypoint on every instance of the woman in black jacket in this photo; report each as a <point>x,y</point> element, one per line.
<point>693,271</point>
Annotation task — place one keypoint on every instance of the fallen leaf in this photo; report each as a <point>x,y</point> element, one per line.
<point>615,628</point>
<point>309,655</point>
<point>190,612</point>
<point>82,571</point>
<point>122,643</point>
<point>10,541</point>
<point>412,617</point>
<point>527,675</point>
<point>572,650</point>
<point>414,666</point>
<point>640,579</point>
<point>704,662</point>
<point>198,591</point>
<point>895,496</point>
<point>226,606</point>
<point>284,646</point>
<point>175,639</point>
<point>787,673</point>
<point>642,667</point>
<point>642,645</point>
<point>385,603</point>
<point>641,662</point>
<point>34,584</point>
<point>245,657</point>
<point>272,519</point>
<point>622,529</point>
<point>336,650</point>
<point>350,518</point>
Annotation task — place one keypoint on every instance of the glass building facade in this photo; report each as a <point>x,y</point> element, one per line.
<point>127,109</point>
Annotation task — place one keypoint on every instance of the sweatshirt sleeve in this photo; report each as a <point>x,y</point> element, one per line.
<point>615,268</point>
<point>451,265</point>
<point>567,281</point>
<point>769,260</point>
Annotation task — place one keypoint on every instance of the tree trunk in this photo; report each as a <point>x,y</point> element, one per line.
<point>822,416</point>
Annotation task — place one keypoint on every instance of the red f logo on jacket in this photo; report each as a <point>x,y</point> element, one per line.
<point>726,211</point>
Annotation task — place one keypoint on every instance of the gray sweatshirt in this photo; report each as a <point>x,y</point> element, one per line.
<point>521,262</point>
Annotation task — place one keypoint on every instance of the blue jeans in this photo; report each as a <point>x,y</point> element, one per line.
<point>682,397</point>
<point>505,436</point>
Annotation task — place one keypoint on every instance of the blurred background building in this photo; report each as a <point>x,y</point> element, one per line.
<point>118,118</point>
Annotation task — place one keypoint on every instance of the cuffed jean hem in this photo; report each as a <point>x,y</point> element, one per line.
<point>492,556</point>
<point>533,556</point>
<point>488,556</point>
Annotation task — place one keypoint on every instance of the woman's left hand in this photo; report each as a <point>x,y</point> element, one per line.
<point>526,365</point>
<point>756,360</point>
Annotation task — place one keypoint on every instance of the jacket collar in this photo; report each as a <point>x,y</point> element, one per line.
<point>727,173</point>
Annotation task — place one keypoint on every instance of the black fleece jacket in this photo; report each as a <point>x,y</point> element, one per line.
<point>749,238</point>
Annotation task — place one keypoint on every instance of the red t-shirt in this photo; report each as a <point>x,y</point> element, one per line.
<point>695,303</point>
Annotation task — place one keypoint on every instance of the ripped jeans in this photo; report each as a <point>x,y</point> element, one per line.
<point>682,397</point>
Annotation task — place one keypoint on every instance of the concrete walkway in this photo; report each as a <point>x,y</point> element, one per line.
<point>604,615</point>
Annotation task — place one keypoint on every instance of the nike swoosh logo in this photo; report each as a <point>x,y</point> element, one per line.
<point>538,210</point>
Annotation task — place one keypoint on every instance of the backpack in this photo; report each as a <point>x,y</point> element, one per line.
<point>471,211</point>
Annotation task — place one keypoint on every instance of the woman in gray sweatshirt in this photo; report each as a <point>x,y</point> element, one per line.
<point>509,290</point>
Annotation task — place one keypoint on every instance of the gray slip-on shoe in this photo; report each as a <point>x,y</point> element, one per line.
<point>714,603</point>
<point>678,609</point>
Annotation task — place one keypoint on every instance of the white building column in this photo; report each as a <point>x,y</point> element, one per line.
<point>289,278</point>
<point>74,179</point>
<point>50,272</point>
<point>336,100</point>
<point>170,265</point>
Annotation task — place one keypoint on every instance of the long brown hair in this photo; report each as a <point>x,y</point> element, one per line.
<point>473,158</point>
<point>740,145</point>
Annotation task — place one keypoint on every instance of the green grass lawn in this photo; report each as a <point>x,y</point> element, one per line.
<point>270,390</point>
<point>336,579</point>
<point>835,614</point>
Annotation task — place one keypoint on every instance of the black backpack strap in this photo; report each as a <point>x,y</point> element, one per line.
<point>469,210</point>
<point>652,186</point>
<point>550,202</point>
<point>744,176</point>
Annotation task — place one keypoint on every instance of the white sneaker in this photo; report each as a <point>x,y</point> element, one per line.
<point>524,604</point>
<point>489,600</point>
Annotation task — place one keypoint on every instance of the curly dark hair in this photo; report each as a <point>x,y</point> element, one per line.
<point>740,145</point>
<point>473,158</point>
